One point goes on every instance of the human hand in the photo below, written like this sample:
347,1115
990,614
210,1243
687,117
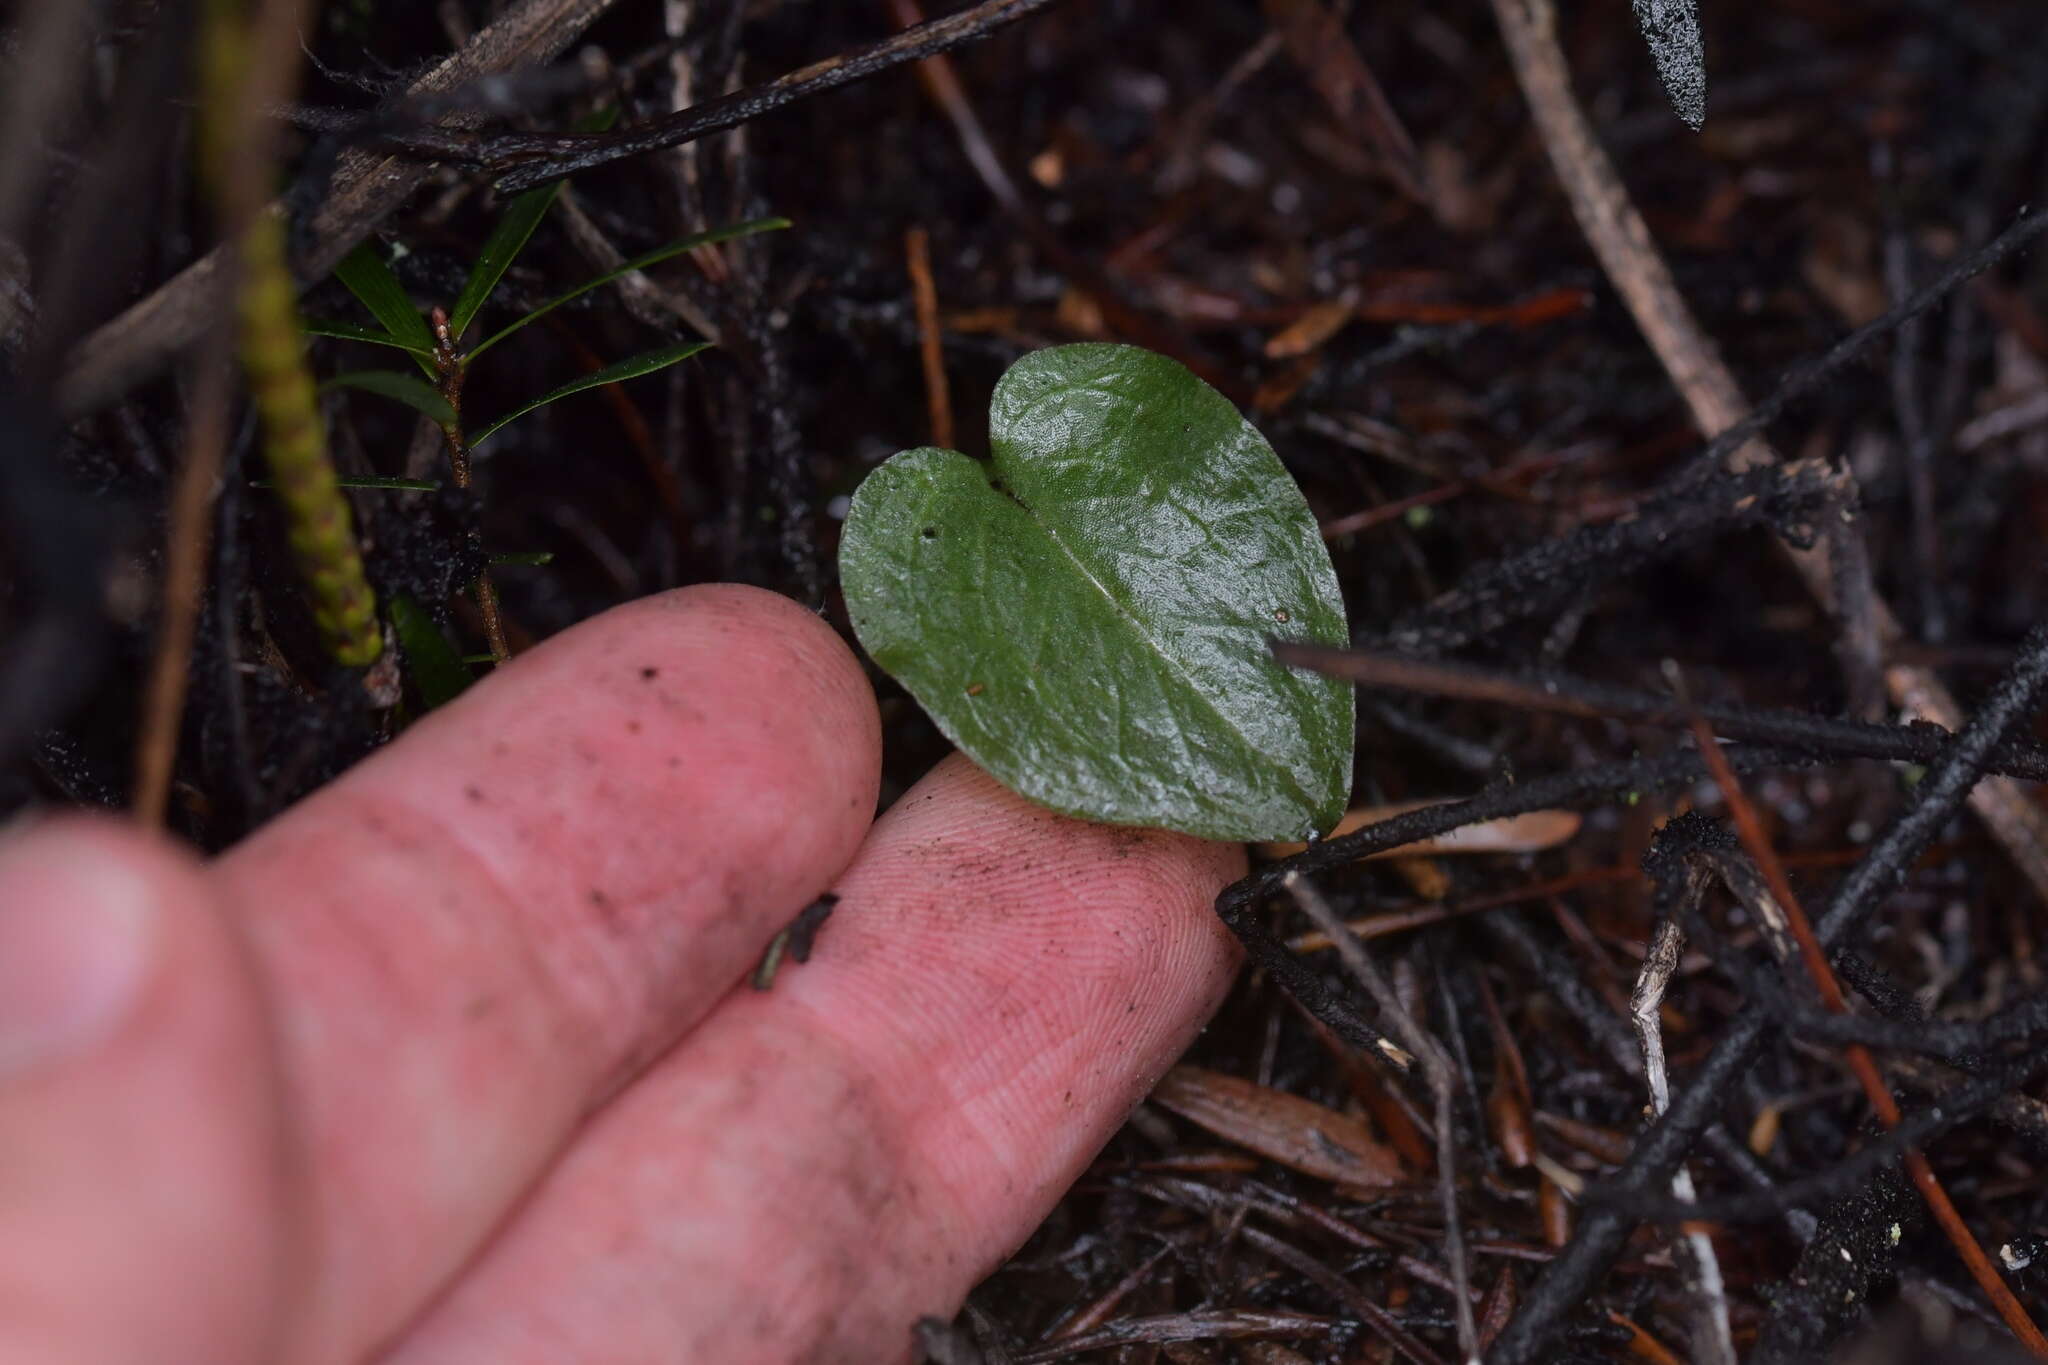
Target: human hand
447,1063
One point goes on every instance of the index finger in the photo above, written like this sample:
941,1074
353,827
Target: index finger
476,936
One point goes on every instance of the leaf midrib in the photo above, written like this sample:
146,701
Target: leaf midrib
1138,628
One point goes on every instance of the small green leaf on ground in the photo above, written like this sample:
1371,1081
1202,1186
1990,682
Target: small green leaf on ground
632,367
366,276
1086,615
408,389
438,672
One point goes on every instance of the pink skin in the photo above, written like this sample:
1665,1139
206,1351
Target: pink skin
447,1064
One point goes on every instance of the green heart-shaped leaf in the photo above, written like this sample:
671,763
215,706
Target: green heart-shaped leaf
1087,614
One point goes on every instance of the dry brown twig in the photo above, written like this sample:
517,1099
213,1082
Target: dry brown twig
191,517
1629,256
1314,36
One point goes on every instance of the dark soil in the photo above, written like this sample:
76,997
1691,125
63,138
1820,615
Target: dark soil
1185,180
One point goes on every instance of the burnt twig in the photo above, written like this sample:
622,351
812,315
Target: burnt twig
1789,921
1565,694
521,161
1791,499
1931,804
1578,789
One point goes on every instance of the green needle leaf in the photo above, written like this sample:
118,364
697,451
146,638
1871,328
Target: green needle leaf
632,367
1087,615
438,672
505,243
408,389
366,276
374,481
366,481
654,257
349,331
510,236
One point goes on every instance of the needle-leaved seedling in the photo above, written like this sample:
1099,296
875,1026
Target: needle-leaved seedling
1087,613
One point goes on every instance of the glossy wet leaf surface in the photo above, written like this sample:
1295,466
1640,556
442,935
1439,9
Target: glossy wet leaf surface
508,238
1086,614
369,278
408,389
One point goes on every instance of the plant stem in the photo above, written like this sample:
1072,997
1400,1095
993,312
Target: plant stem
450,370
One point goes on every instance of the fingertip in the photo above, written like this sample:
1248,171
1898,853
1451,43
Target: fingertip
645,687
683,769
1018,980
776,638
76,844
1060,943
97,920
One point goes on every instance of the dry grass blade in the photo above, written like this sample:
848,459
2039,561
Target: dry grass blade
163,704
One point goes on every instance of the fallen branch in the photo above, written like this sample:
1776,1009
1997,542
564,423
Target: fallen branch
1791,918
521,161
